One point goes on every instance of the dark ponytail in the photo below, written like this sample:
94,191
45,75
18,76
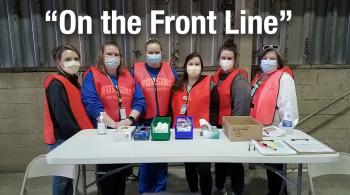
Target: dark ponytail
230,46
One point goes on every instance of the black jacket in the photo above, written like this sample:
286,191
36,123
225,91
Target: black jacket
63,120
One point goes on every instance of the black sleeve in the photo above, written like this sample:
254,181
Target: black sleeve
214,105
170,110
63,119
240,99
170,106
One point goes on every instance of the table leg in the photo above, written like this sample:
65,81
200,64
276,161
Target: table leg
83,179
300,174
284,183
76,183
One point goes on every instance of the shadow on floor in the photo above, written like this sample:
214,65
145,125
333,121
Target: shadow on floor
255,183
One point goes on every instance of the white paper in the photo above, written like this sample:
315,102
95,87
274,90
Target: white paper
309,146
272,131
281,149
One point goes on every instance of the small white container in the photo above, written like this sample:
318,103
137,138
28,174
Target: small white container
101,126
287,124
118,136
123,134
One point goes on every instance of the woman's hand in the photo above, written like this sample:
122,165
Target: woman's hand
109,121
113,125
125,122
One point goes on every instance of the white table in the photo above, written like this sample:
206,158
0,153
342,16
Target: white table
86,147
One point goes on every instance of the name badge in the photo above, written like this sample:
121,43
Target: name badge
122,113
183,109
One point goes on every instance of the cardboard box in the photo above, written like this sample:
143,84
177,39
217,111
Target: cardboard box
241,128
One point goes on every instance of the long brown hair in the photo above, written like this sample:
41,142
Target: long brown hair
100,61
180,83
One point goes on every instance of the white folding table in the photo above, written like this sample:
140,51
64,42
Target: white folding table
86,147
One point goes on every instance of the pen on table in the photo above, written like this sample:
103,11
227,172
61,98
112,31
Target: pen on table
266,131
272,144
268,146
250,144
303,139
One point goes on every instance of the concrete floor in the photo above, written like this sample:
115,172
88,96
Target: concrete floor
255,183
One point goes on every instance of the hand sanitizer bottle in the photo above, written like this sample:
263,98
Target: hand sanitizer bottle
101,126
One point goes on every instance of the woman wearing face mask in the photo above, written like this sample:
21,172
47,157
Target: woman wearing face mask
156,78
234,93
273,94
110,88
64,113
196,95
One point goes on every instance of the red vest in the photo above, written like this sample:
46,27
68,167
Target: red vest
264,101
225,92
244,73
75,103
108,94
157,93
198,101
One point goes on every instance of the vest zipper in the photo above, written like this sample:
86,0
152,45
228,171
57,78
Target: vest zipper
155,93
188,92
188,95
155,88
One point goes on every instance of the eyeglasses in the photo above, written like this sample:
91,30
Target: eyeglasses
276,47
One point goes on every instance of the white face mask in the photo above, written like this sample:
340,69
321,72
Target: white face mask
71,67
226,64
112,64
268,66
194,71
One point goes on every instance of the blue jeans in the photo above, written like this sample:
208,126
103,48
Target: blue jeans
60,185
153,177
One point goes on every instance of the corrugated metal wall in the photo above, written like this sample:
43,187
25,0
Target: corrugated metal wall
317,34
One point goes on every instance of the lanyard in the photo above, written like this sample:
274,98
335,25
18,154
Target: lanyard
118,92
257,84
185,99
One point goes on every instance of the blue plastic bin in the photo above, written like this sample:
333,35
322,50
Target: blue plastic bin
184,121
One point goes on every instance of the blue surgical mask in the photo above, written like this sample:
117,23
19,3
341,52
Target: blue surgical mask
153,59
268,66
112,64
112,61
